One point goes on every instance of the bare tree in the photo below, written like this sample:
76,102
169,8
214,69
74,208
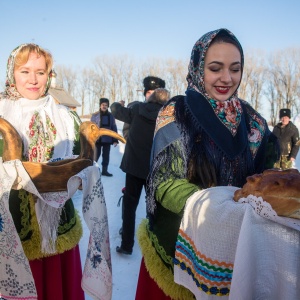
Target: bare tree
252,84
177,72
84,89
284,67
67,78
270,94
273,80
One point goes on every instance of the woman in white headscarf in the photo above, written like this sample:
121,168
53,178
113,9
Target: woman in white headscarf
47,132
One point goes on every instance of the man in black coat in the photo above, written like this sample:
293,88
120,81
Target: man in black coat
136,159
288,137
150,83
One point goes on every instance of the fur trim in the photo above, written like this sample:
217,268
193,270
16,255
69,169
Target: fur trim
152,83
64,242
157,269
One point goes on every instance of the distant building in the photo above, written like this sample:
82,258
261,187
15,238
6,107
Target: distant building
61,96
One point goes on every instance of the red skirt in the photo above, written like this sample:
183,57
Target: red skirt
147,289
58,277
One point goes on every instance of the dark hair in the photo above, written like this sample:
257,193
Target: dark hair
104,100
225,37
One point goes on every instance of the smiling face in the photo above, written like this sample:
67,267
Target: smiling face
222,70
31,77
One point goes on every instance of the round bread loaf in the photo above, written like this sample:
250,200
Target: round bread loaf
279,188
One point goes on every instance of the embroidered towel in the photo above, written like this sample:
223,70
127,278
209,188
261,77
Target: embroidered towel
227,249
97,275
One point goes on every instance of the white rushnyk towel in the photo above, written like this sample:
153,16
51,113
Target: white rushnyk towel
16,281
247,237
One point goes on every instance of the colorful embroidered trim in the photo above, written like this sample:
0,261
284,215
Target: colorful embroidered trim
210,276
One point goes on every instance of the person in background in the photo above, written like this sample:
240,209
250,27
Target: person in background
136,159
104,119
150,83
48,133
288,137
296,121
207,138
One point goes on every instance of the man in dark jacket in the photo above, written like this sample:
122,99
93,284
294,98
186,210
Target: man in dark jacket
150,84
288,137
104,119
136,159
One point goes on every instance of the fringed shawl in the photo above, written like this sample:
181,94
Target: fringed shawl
187,128
233,157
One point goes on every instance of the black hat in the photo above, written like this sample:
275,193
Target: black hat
152,83
284,112
104,100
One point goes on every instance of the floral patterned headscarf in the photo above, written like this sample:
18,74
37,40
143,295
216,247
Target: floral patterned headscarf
195,77
229,111
11,91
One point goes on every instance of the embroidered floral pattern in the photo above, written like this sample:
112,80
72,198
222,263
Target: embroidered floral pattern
165,117
195,77
256,134
96,193
41,139
97,278
14,287
16,281
229,113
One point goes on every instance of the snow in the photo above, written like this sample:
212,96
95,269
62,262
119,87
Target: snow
125,268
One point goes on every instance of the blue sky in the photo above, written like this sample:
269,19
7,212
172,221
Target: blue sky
78,31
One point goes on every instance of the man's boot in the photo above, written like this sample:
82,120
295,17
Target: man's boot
105,173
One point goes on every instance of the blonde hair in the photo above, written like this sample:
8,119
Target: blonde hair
23,55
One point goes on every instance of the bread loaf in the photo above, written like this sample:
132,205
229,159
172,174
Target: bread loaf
279,188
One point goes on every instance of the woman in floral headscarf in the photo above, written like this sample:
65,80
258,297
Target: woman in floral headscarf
209,137
47,131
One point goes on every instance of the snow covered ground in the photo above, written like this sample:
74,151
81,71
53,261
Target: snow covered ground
125,268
